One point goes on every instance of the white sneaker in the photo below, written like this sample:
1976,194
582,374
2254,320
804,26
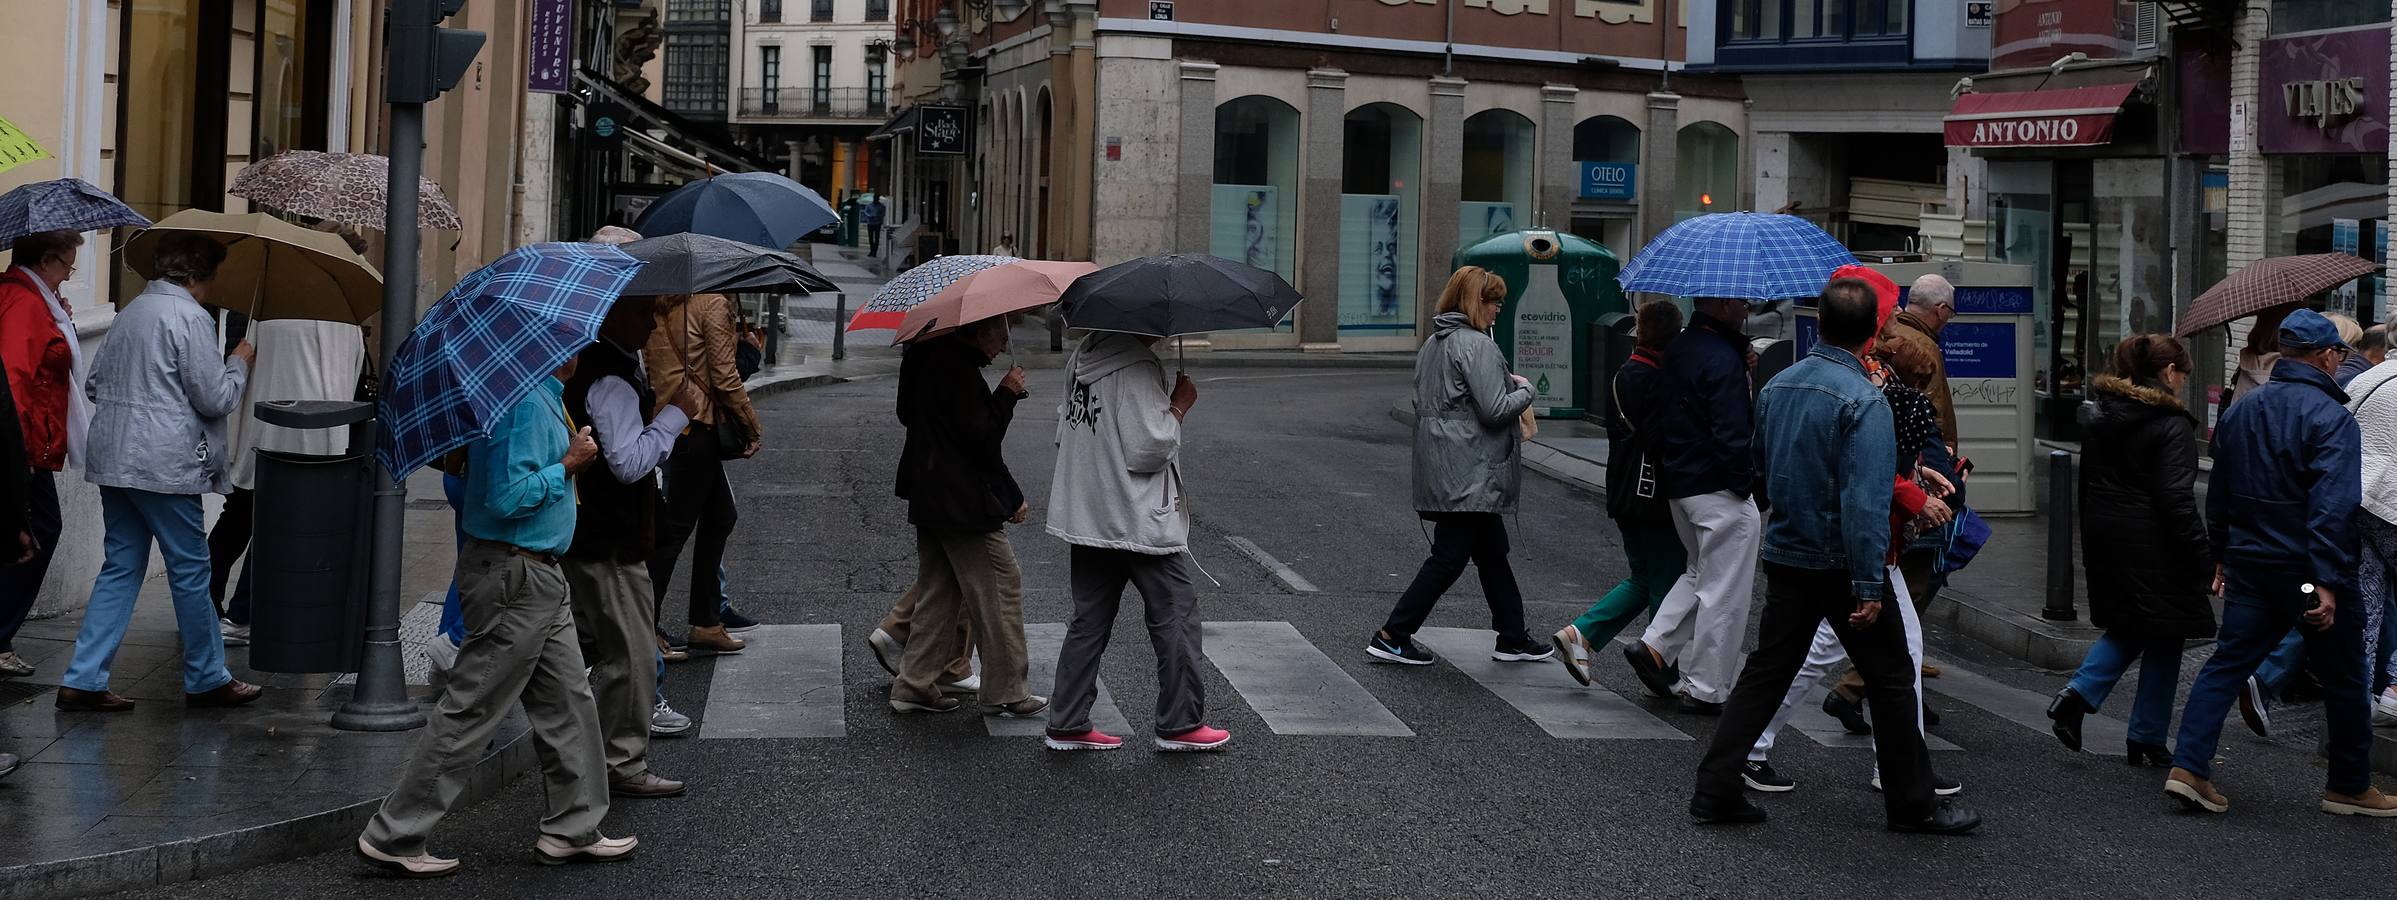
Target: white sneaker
665,722
235,635
441,653
971,684
2384,708
887,650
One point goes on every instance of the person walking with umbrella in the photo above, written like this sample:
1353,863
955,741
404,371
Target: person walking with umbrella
1468,471
44,363
695,341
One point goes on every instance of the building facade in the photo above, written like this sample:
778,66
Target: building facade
812,78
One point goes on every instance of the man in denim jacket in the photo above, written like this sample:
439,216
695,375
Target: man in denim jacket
1824,458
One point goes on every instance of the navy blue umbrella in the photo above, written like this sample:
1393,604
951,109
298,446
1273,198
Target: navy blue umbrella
62,204
759,208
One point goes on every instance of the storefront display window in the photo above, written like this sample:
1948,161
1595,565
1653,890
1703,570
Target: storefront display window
1378,245
2315,15
1253,214
1499,164
1606,155
1707,170
2334,204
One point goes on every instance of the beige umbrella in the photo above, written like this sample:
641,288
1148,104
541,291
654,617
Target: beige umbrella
273,269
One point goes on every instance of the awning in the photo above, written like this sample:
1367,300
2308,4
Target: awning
2062,117
901,123
704,141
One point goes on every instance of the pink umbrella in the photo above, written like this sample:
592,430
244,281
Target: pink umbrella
995,291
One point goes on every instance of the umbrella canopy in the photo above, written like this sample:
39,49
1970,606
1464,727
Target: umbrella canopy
349,188
889,306
1745,256
995,291
489,340
63,204
2267,283
1180,294
690,263
273,269
759,208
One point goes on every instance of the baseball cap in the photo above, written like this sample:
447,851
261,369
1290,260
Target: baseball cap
2306,331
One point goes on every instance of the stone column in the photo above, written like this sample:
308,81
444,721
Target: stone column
1663,140
1560,176
1195,176
2251,174
1443,183
1319,211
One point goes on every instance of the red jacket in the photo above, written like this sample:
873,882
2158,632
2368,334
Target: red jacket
40,368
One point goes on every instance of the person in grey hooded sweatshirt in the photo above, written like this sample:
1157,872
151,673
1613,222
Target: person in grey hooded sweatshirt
1117,499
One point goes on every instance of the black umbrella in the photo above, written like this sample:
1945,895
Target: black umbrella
690,263
1170,296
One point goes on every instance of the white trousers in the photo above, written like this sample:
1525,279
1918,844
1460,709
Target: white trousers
1827,653
1704,619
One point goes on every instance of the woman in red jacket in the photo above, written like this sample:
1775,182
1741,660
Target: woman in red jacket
42,359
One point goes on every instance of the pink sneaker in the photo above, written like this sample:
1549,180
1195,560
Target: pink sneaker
1092,739
1200,738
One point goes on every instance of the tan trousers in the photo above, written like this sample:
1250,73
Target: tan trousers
900,625
971,577
618,623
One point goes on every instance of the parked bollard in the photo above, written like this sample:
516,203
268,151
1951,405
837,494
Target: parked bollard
840,326
2059,539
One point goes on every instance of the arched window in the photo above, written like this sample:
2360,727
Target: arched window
1381,166
1501,157
1606,139
1706,170
1254,207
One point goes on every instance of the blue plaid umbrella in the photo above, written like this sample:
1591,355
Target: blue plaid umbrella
1746,256
890,305
64,204
491,339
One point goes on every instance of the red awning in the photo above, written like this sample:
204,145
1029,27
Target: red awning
2063,117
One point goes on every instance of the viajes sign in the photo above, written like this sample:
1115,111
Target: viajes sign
2333,92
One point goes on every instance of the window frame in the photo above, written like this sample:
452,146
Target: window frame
820,11
1744,21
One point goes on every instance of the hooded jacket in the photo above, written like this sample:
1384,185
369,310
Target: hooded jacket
1468,456
1703,443
2142,543
2287,484
1118,485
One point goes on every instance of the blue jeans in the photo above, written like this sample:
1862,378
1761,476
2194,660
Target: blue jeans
2250,629
2159,678
453,619
2286,657
132,519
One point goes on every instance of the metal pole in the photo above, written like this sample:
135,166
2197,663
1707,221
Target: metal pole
840,326
380,702
2059,539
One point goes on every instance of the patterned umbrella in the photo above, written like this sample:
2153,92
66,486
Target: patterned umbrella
64,204
1746,256
890,305
349,188
488,341
996,291
2266,283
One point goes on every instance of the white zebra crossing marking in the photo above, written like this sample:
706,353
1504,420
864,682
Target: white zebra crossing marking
2102,735
1811,721
1292,685
1041,643
1543,693
787,684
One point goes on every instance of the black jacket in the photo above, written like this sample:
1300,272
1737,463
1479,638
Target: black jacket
613,520
15,475
951,471
2144,546
1639,389
1703,441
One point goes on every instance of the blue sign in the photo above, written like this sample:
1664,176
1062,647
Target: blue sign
1978,349
2004,301
1609,180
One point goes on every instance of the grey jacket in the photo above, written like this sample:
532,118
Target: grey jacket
1117,485
1467,457
160,390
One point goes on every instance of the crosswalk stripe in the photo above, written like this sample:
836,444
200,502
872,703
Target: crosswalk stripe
1041,643
787,684
2102,735
1292,685
1543,693
1811,721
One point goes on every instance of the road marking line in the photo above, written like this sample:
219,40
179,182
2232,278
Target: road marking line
2101,735
1280,570
1292,685
1810,720
787,684
1042,641
1543,693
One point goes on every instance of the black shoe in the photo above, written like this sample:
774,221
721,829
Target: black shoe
1651,673
1397,650
1758,775
1941,785
2255,709
1732,810
1697,707
2153,756
2066,710
735,621
1521,649
1945,819
1849,714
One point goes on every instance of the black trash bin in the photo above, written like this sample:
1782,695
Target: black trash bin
309,546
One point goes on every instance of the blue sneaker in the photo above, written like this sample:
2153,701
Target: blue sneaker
735,621
1397,650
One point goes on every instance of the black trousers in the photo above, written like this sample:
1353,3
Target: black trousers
874,240
1457,539
21,584
1796,602
699,509
228,543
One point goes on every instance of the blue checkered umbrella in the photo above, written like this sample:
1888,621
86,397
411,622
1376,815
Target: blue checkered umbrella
890,305
1746,256
488,341
64,204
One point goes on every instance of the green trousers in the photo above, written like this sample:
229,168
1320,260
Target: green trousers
1657,560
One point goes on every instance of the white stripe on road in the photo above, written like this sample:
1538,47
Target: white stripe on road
1811,721
2101,735
1544,693
1041,644
1288,575
787,684
1292,685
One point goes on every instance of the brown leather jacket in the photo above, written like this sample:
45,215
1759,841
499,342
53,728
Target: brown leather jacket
1906,337
698,332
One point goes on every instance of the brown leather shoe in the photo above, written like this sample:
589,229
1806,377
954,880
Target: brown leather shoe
647,786
715,640
666,650
230,694
72,700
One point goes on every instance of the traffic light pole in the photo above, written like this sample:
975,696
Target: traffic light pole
380,701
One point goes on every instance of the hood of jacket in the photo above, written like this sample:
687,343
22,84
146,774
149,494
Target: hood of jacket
1108,354
1449,321
2123,404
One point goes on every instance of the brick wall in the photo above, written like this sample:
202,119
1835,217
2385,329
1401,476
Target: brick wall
2251,181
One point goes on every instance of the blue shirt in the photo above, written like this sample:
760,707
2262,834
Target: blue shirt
1825,451
516,486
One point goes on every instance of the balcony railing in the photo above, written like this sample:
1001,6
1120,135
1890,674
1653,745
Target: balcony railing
811,103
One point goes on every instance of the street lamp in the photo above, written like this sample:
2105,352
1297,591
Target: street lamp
905,45
946,21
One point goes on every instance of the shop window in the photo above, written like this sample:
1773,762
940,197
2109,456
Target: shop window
1254,208
1706,170
1606,139
2334,204
1500,159
2315,15
1382,160
1818,20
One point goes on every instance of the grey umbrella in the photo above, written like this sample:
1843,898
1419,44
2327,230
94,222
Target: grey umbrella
690,263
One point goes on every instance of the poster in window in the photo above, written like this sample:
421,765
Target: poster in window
1247,225
1477,219
1377,266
